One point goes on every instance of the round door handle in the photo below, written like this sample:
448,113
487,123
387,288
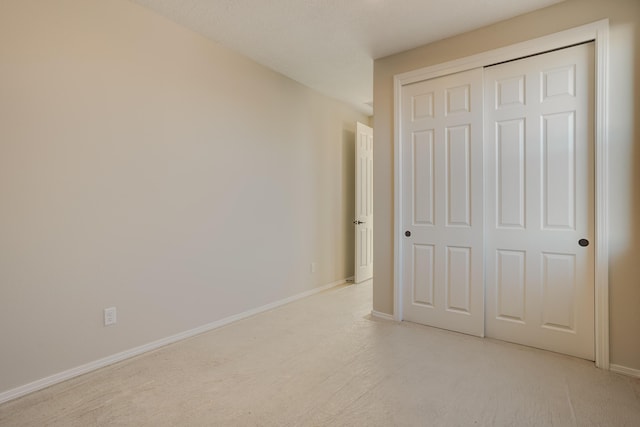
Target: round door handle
583,242
407,233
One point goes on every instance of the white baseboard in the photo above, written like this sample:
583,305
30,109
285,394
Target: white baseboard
381,315
118,357
624,370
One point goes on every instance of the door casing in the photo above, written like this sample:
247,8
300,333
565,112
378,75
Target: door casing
598,32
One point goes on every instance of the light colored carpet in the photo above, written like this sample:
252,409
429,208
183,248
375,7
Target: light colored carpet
324,361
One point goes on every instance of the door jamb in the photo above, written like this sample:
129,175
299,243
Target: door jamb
599,33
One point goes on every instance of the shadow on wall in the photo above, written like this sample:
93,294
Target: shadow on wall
624,222
348,194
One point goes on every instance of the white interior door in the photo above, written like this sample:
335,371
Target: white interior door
442,208
364,203
540,201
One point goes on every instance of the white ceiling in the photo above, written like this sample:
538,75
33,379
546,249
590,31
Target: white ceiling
330,45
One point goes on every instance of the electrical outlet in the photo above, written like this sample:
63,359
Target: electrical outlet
110,316
314,267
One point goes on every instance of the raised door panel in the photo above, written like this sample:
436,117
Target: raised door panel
559,291
458,282
558,170
510,285
422,106
510,92
457,100
422,177
458,179
510,174
423,275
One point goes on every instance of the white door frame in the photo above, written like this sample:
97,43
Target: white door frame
599,33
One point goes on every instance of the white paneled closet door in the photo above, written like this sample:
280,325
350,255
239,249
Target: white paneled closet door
442,208
540,201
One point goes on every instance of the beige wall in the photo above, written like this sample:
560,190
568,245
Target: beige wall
624,140
145,167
